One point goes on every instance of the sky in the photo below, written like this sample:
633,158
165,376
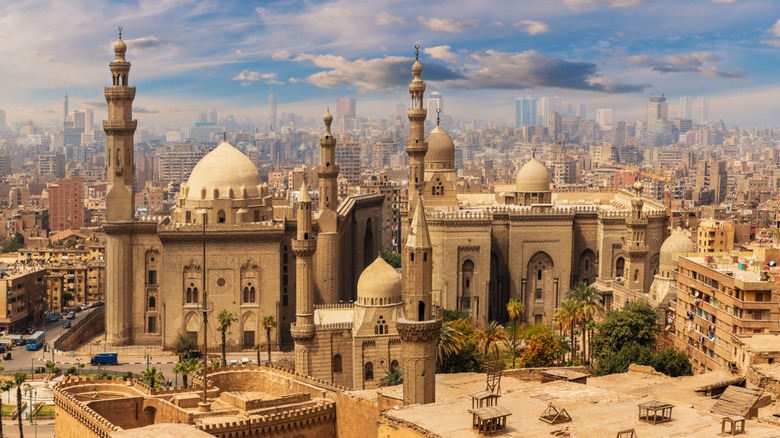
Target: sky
189,56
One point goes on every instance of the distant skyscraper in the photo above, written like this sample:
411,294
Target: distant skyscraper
583,112
659,130
542,110
555,127
65,108
272,112
212,115
657,109
346,114
556,104
202,117
685,108
435,101
2,120
525,111
604,118
703,107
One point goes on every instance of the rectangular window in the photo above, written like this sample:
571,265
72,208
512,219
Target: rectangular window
538,294
249,339
284,300
152,277
152,326
537,319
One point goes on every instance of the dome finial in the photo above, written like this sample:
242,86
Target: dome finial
328,119
533,152
438,116
224,136
120,32
417,52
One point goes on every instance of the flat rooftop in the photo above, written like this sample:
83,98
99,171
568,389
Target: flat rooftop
600,409
762,343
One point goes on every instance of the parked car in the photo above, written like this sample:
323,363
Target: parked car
66,325
19,341
98,304
190,355
71,315
40,370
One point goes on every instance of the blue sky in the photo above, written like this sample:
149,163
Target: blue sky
189,56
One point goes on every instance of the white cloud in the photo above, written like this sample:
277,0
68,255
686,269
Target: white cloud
441,52
386,19
281,55
253,76
532,27
447,24
686,62
143,43
775,29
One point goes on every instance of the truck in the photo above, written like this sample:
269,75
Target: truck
104,359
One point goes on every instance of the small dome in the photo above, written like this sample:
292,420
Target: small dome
120,48
417,68
222,168
328,118
533,177
441,148
379,280
678,242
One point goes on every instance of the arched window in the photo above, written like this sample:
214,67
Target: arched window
381,326
336,363
539,274
636,275
421,311
152,303
620,264
368,371
393,365
221,216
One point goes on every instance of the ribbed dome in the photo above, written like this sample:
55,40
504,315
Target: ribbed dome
224,168
379,281
678,242
441,148
533,177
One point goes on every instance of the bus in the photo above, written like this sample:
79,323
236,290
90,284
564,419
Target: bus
36,341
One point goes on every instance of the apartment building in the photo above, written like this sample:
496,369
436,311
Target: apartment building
22,297
720,296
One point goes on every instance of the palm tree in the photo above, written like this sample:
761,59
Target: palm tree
258,348
392,377
451,341
269,323
589,304
187,367
183,343
19,379
492,334
5,386
568,316
152,377
514,308
225,319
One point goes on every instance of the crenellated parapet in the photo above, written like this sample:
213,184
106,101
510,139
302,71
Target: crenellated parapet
335,306
282,422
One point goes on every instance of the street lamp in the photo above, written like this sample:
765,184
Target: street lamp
78,367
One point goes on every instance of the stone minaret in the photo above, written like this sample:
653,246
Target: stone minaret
120,170
304,246
328,171
634,244
419,325
416,146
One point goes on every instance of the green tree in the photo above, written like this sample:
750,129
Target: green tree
225,319
634,324
258,348
673,363
269,323
619,361
186,368
542,350
392,377
152,378
19,379
467,359
589,308
451,341
568,316
5,386
492,334
392,258
15,244
514,308
183,343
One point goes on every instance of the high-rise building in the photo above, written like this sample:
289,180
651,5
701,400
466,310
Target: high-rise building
2,120
66,204
685,107
658,129
555,128
212,116
435,102
703,110
65,108
272,112
583,111
346,114
604,118
525,111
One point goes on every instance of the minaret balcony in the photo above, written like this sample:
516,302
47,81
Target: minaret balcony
418,331
119,126
324,172
119,93
302,332
304,247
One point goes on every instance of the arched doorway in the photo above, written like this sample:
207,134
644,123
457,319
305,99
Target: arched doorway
587,271
466,284
539,286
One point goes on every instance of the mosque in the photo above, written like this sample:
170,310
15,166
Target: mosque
350,315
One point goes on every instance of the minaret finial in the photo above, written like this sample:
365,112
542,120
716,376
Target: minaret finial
533,152
224,136
438,116
120,32
416,51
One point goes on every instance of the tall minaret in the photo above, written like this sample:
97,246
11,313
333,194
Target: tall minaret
419,325
635,244
120,170
328,171
416,146
304,246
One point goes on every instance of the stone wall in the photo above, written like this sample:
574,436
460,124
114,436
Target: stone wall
535,374
355,416
82,331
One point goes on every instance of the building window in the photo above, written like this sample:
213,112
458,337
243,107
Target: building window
539,274
249,294
249,339
393,365
152,277
381,326
336,363
538,294
368,372
152,324
152,303
192,295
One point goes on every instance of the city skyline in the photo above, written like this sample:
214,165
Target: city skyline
600,53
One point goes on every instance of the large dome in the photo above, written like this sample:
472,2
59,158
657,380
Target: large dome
223,168
379,284
441,148
677,243
533,177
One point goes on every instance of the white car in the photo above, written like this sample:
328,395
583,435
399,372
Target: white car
245,361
